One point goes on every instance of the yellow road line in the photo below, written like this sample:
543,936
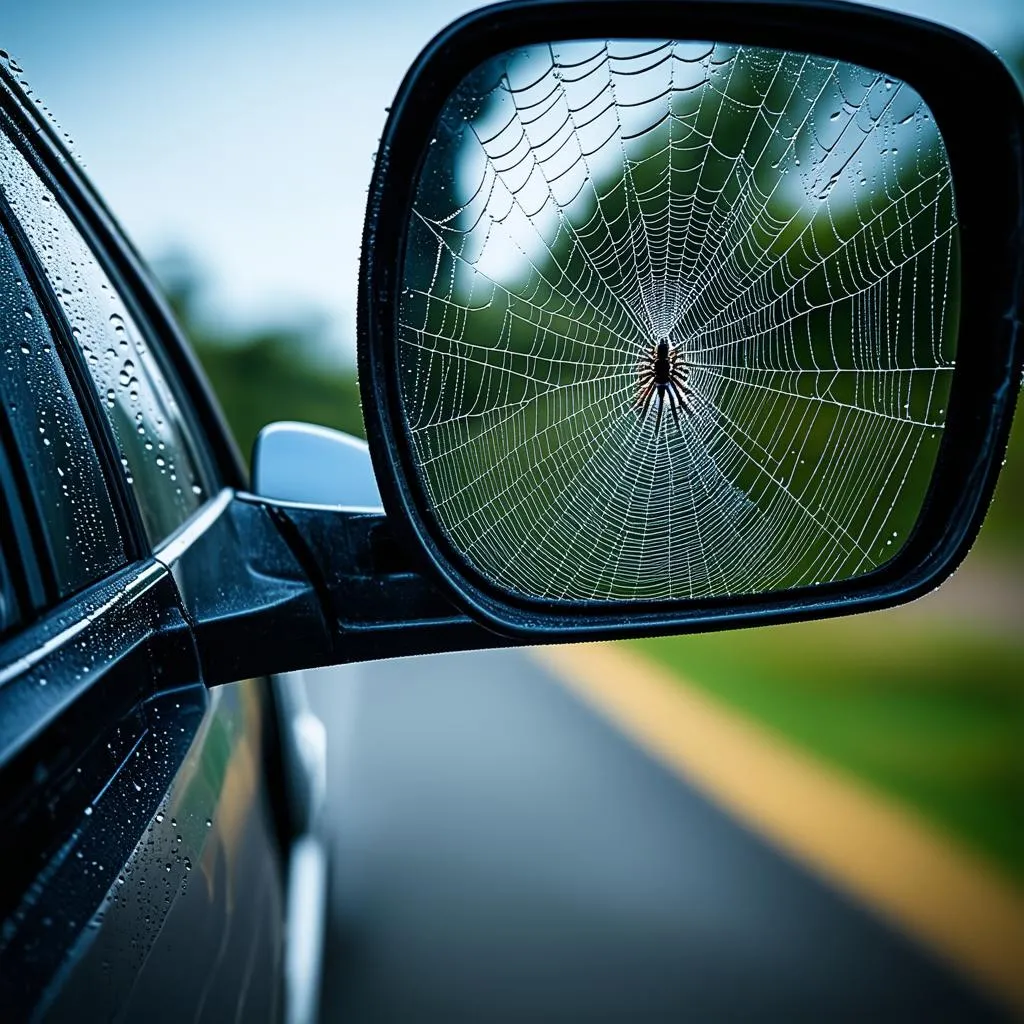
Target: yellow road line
943,895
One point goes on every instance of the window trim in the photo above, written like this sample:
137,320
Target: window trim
18,547
126,510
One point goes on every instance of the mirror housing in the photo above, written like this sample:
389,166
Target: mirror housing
328,576
314,465
988,188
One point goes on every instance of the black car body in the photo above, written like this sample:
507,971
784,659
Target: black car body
151,825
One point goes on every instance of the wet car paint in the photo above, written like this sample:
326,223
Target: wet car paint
144,819
146,853
192,928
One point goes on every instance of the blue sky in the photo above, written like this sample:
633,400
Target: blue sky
243,132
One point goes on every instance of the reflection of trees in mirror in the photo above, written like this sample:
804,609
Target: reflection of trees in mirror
263,374
785,222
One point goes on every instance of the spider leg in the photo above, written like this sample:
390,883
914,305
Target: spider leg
661,408
645,400
672,399
683,394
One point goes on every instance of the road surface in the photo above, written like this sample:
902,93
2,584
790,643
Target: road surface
502,853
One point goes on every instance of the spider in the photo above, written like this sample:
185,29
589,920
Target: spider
665,373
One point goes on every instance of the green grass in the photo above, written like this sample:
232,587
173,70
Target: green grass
930,715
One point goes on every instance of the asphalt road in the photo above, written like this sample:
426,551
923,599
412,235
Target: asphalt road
502,853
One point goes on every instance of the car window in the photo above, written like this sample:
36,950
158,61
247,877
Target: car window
10,612
52,453
158,454
8,604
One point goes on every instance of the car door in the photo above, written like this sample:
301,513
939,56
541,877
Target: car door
145,823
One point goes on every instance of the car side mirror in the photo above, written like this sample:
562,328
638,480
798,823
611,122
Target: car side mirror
673,317
691,316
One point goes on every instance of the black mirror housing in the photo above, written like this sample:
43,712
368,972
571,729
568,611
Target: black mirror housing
988,183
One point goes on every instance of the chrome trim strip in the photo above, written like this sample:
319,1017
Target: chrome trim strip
305,920
179,542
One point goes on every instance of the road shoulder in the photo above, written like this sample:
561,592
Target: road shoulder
939,893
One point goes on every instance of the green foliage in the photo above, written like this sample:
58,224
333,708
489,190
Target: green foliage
918,707
1001,536
268,374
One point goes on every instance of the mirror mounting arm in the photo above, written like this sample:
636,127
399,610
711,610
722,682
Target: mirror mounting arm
373,603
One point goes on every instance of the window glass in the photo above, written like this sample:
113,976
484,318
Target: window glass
64,484
157,454
8,605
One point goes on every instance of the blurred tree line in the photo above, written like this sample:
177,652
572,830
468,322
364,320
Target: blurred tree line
273,372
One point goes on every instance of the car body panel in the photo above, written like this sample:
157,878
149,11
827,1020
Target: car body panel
192,928
145,828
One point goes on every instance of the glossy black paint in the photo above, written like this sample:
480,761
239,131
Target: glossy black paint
144,826
124,783
989,184
192,927
378,603
72,696
252,609
305,586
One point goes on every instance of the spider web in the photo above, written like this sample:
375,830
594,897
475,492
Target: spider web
785,222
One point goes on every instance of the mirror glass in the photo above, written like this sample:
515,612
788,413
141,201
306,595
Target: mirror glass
678,319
